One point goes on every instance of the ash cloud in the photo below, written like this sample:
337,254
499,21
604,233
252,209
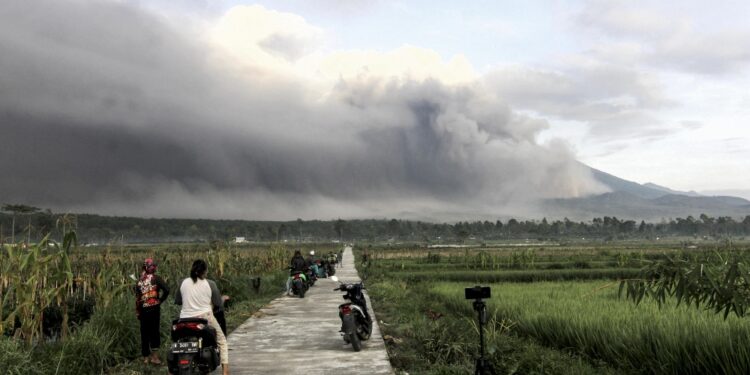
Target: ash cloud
107,108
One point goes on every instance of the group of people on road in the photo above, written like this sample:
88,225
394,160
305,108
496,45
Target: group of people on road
198,296
309,265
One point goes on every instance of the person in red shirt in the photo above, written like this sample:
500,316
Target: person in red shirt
150,292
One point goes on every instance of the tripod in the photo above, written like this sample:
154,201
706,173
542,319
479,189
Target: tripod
483,366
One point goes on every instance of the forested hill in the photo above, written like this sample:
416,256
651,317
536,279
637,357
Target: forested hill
108,229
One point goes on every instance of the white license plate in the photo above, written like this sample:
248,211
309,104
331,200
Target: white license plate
184,347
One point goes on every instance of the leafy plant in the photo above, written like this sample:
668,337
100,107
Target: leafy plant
721,284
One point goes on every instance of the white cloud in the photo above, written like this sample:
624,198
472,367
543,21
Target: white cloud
669,37
268,39
616,102
287,45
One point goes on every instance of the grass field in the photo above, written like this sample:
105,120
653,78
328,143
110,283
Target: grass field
563,319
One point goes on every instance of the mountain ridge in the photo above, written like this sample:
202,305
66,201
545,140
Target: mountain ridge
644,202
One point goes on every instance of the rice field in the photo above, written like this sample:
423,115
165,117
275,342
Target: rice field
589,317
571,309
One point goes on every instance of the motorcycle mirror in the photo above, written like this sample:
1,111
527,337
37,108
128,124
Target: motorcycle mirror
335,278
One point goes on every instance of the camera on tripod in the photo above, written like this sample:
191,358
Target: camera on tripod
478,292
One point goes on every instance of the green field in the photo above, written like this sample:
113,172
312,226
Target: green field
561,319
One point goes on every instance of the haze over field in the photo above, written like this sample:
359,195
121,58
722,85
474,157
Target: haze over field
227,110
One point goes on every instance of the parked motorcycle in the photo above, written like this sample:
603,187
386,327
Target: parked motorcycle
194,349
299,283
356,323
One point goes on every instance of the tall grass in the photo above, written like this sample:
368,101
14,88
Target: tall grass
589,317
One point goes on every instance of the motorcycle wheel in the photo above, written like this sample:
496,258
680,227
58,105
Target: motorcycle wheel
364,336
302,293
356,344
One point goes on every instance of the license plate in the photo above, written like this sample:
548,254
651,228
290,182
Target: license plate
184,347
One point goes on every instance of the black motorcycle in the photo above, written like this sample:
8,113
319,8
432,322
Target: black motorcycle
311,277
299,283
194,349
356,324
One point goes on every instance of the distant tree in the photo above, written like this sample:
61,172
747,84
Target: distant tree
498,226
45,222
281,232
19,209
513,226
338,226
393,227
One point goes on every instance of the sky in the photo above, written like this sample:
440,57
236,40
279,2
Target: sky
333,108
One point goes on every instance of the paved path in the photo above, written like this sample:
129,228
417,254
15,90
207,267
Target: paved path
293,335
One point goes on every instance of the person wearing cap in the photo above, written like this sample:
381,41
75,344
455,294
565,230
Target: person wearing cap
150,292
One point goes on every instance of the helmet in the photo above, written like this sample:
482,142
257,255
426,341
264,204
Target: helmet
312,252
149,266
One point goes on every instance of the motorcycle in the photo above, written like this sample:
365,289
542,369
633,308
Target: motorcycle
194,349
299,283
330,268
356,323
321,271
311,275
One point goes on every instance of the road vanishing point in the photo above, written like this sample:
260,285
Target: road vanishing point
293,335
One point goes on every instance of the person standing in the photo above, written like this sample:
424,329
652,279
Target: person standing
150,292
198,298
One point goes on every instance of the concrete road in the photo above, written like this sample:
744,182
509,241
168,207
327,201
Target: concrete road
293,335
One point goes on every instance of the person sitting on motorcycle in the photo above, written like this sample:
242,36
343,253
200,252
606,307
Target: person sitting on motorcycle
312,265
198,297
311,258
150,292
297,264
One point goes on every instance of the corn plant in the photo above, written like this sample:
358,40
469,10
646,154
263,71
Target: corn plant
34,279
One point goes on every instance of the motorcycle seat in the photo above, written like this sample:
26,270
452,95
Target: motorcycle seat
186,328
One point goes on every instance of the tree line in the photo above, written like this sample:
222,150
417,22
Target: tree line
26,223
